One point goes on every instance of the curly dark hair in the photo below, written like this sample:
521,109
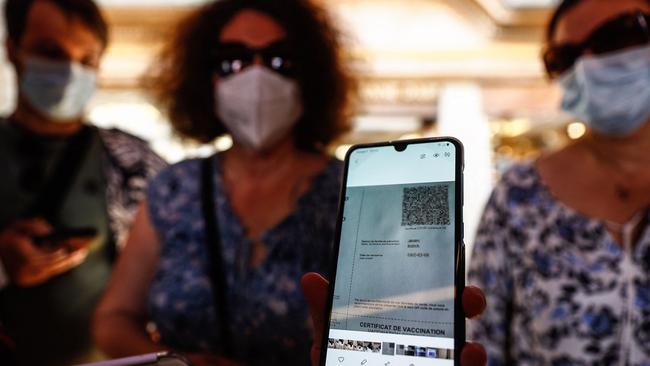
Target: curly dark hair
182,78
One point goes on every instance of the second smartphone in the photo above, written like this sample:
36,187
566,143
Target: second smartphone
399,257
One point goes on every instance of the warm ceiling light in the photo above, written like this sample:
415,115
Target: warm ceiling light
576,130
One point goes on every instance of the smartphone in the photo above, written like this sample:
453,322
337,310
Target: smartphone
399,266
150,359
61,234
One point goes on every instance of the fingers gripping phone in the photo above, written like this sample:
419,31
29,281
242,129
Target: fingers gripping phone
399,258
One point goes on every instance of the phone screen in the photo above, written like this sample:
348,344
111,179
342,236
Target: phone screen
400,257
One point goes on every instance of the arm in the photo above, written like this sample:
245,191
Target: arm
489,270
119,322
118,325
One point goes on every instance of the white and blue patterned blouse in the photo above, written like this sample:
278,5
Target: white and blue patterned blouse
560,290
270,322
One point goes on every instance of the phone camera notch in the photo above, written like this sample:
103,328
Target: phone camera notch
400,146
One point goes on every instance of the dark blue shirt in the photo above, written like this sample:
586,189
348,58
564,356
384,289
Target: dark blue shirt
269,316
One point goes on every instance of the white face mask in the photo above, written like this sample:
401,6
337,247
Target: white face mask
58,90
258,106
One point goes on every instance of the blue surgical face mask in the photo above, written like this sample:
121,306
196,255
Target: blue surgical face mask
58,90
611,93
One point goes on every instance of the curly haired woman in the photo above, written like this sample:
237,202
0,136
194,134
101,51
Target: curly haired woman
216,253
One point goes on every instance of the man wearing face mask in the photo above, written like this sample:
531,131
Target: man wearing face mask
69,190
563,248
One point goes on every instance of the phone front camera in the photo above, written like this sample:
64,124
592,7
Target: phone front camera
399,146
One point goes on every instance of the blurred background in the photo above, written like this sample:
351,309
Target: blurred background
466,68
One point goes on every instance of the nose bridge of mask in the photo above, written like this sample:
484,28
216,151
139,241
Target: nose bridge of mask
259,90
271,87
269,84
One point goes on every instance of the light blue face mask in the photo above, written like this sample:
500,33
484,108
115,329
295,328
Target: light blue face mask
58,90
611,93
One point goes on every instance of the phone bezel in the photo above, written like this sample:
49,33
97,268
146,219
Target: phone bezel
459,246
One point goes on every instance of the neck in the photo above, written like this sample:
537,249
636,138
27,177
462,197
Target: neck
31,120
626,154
242,161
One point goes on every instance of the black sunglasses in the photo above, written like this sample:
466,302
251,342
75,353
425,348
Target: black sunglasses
627,30
233,57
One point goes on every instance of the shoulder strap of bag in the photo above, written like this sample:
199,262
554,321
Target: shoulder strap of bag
66,169
213,242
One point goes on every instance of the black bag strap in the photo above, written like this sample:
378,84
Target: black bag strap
213,242
51,198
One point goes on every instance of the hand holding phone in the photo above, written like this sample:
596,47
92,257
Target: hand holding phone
29,264
399,257
316,288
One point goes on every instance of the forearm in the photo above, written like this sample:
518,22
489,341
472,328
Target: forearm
119,321
120,335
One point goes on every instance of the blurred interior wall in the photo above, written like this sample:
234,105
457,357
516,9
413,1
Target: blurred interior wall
460,114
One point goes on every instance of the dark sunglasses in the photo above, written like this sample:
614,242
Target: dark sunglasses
627,30
233,57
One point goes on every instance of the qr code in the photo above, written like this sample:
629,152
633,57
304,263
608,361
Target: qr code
425,205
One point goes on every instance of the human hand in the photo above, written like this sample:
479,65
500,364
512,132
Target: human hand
315,288
28,264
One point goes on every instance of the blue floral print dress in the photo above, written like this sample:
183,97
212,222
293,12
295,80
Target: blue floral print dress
269,322
560,291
